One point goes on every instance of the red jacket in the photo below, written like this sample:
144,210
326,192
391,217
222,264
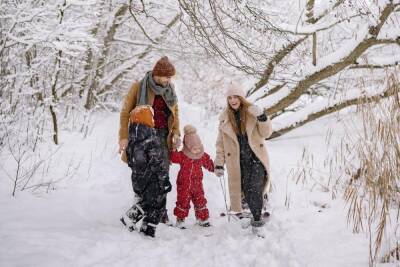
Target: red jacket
190,172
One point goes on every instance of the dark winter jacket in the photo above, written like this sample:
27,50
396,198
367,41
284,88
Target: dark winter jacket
145,158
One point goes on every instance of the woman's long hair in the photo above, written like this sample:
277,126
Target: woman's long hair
244,104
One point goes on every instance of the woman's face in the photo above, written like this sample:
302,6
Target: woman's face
234,102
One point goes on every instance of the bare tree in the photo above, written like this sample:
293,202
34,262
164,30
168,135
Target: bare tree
277,44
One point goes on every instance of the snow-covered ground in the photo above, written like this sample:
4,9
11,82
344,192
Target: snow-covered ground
78,223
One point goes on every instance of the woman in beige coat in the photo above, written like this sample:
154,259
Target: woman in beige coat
240,146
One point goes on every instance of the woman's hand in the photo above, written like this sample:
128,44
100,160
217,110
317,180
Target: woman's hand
219,171
255,110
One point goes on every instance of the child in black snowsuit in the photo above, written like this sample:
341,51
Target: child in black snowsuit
150,179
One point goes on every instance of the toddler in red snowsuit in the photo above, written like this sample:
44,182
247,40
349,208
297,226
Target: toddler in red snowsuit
189,182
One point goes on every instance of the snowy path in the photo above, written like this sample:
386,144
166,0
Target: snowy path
77,224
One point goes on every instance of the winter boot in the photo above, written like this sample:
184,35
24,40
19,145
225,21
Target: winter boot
128,223
203,223
135,213
180,223
148,229
131,217
257,228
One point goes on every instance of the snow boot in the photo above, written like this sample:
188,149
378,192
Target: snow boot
203,223
148,229
128,223
180,223
257,228
135,213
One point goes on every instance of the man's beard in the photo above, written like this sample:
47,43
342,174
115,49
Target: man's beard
162,84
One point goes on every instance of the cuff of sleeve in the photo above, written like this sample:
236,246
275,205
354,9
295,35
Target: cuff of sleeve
262,117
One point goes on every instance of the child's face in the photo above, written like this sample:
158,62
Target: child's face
196,150
234,101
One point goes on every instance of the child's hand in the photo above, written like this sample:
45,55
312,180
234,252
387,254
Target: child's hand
176,141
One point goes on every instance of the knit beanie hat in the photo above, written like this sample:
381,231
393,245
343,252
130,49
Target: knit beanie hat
235,88
192,146
164,68
143,114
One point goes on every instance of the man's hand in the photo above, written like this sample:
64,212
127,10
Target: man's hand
166,186
122,145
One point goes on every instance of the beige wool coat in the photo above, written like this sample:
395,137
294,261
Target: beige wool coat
228,153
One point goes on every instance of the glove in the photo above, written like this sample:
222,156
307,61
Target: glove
122,145
166,186
219,171
255,110
176,141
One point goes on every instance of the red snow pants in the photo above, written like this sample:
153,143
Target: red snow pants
190,186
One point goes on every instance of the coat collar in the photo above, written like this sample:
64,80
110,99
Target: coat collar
227,128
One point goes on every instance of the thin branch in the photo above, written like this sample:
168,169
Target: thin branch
142,55
138,23
275,60
327,11
372,66
273,90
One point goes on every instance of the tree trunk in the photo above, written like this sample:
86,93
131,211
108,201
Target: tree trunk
103,57
314,49
55,99
55,127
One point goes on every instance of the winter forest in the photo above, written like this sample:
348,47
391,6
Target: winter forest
325,73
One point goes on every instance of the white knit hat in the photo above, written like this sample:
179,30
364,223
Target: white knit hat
235,88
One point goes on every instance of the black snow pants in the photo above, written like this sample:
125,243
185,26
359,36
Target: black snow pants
153,200
162,135
253,173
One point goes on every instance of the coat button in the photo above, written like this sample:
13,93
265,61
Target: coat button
261,145
229,154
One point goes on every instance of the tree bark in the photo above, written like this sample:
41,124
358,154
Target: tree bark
336,67
336,107
99,66
276,59
55,126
